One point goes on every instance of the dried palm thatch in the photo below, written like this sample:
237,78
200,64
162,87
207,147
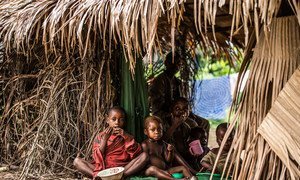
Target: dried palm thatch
275,59
52,111
141,27
281,126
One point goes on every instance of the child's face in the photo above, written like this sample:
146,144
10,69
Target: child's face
154,130
180,109
116,119
220,137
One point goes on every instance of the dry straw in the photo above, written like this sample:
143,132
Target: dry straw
281,126
276,57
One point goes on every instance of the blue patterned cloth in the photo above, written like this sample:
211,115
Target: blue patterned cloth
212,97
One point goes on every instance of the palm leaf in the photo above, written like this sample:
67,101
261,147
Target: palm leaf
275,59
280,128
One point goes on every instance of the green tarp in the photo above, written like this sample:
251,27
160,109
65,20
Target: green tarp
200,176
134,98
141,178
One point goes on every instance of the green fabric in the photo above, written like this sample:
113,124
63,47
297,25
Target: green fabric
206,176
134,98
200,176
140,177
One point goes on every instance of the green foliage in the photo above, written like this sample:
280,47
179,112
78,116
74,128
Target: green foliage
215,122
153,70
210,65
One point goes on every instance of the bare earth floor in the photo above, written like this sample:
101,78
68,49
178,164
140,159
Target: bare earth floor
13,175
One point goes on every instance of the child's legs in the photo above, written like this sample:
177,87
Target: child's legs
159,173
84,167
136,165
180,169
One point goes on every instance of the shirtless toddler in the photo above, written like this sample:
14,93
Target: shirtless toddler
160,153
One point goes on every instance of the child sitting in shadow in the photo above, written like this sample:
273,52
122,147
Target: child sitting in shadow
177,128
209,159
160,153
197,146
114,147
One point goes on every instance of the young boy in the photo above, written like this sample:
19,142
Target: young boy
113,147
161,154
208,160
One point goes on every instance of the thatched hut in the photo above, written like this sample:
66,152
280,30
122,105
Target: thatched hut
61,71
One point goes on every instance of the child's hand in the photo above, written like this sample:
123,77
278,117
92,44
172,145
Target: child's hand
176,120
179,119
118,131
107,132
170,147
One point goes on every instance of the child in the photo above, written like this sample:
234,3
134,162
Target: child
208,160
200,135
178,129
161,154
113,147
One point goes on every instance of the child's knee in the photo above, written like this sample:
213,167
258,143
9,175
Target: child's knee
151,170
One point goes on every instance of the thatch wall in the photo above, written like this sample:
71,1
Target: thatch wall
52,111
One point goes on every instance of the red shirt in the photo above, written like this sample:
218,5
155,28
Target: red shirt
119,151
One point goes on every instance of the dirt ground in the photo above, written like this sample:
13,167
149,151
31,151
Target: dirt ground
13,175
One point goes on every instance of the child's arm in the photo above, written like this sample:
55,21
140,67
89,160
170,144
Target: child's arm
208,160
207,166
145,147
169,154
106,134
177,121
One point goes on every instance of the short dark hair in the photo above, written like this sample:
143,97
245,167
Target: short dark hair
151,119
195,131
222,126
117,108
179,99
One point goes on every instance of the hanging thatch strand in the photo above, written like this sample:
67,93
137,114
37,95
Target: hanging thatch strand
275,59
244,13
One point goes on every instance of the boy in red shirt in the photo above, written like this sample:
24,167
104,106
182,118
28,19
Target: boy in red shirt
114,147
